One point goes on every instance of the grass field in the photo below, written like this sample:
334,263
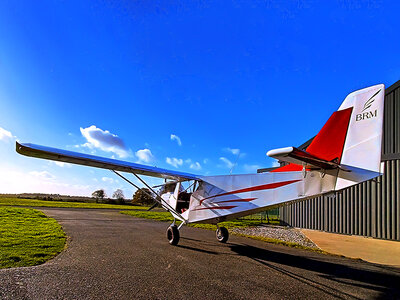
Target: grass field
44,203
28,237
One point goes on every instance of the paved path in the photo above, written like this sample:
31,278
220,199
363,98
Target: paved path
368,249
114,256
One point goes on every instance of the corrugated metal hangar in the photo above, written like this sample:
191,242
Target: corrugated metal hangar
371,208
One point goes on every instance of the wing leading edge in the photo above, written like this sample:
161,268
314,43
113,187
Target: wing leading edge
99,162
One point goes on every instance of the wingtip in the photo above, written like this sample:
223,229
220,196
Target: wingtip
18,147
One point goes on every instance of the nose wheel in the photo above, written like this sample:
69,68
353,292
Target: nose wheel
222,234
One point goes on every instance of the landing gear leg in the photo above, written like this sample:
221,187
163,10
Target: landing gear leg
173,234
222,234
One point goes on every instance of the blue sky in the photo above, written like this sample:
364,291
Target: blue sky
179,85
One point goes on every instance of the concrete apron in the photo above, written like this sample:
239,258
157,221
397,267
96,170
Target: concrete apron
368,249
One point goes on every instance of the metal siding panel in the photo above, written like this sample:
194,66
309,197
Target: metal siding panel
294,215
328,213
343,212
348,215
391,125
312,214
393,200
322,213
388,204
360,209
317,210
339,215
300,216
365,202
352,208
373,208
333,214
397,119
397,182
301,207
325,214
383,214
379,207
334,209
368,207
330,208
318,213
385,122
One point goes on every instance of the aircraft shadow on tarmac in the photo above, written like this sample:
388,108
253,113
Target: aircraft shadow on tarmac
384,282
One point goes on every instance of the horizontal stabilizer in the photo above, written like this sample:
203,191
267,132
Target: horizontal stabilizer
99,162
299,157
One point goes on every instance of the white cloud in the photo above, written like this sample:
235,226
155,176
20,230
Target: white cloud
107,179
205,161
5,135
251,168
175,162
144,155
233,150
43,175
176,138
61,164
104,140
227,162
195,166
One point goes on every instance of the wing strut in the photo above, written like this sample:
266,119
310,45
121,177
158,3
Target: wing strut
160,200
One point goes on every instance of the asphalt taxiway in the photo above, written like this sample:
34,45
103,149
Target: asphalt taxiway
115,256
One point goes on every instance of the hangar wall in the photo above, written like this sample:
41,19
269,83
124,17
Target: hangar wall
370,208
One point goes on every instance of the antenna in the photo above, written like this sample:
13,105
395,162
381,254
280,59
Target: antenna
234,165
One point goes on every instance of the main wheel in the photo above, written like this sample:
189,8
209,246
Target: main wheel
173,235
222,234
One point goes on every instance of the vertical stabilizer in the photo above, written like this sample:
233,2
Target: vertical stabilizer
363,144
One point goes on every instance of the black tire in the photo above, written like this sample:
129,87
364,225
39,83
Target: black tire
173,235
222,234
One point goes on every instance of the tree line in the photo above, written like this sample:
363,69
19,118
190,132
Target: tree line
141,196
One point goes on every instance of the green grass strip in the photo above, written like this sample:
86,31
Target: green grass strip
28,237
44,203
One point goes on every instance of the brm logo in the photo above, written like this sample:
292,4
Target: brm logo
369,114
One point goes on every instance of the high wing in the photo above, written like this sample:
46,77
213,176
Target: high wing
300,157
99,162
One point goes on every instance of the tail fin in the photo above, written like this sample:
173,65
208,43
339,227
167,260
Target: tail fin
352,136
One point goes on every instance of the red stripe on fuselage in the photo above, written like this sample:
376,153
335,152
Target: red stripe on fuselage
237,200
217,207
267,186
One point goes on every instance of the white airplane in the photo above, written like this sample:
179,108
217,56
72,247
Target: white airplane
345,152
